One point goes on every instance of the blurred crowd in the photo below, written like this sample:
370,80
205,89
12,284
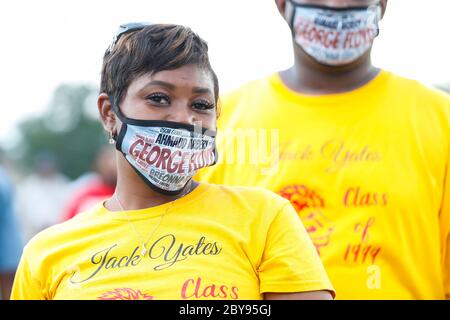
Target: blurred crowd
32,203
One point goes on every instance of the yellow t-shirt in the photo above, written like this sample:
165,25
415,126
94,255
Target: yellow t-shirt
365,170
215,243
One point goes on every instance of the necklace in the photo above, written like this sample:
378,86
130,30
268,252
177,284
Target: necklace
141,239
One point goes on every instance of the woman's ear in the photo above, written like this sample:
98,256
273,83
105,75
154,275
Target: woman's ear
107,115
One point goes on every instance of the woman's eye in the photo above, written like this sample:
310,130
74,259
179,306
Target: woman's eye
203,105
159,98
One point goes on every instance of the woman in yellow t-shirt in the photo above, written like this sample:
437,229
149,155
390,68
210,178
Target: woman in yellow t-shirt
162,235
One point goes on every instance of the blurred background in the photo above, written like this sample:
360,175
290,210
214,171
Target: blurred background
50,65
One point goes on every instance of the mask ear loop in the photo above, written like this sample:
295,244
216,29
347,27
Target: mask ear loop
293,10
116,109
113,138
374,17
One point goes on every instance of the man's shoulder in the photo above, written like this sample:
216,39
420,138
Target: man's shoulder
247,99
418,88
249,88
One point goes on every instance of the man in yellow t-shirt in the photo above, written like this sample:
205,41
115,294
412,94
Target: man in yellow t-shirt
362,154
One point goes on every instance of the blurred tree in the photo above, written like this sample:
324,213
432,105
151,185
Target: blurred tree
444,87
69,128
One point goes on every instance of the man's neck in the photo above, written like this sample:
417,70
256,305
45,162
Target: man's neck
308,77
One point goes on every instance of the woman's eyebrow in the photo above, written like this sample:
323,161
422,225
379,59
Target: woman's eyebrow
159,83
170,86
201,90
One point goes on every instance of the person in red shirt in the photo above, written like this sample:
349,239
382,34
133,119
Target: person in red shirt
100,186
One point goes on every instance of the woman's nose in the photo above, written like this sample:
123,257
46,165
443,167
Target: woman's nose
181,114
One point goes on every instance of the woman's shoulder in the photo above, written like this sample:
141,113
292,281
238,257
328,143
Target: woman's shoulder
253,198
58,234
257,192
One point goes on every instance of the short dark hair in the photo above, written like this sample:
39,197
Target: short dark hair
155,48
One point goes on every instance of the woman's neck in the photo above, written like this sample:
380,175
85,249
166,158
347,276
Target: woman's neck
135,194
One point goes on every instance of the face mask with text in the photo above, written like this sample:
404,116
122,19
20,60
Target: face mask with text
334,36
166,154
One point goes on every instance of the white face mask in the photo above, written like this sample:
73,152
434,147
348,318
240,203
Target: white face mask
165,154
334,36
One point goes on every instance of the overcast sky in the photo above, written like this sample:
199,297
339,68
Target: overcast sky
48,42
